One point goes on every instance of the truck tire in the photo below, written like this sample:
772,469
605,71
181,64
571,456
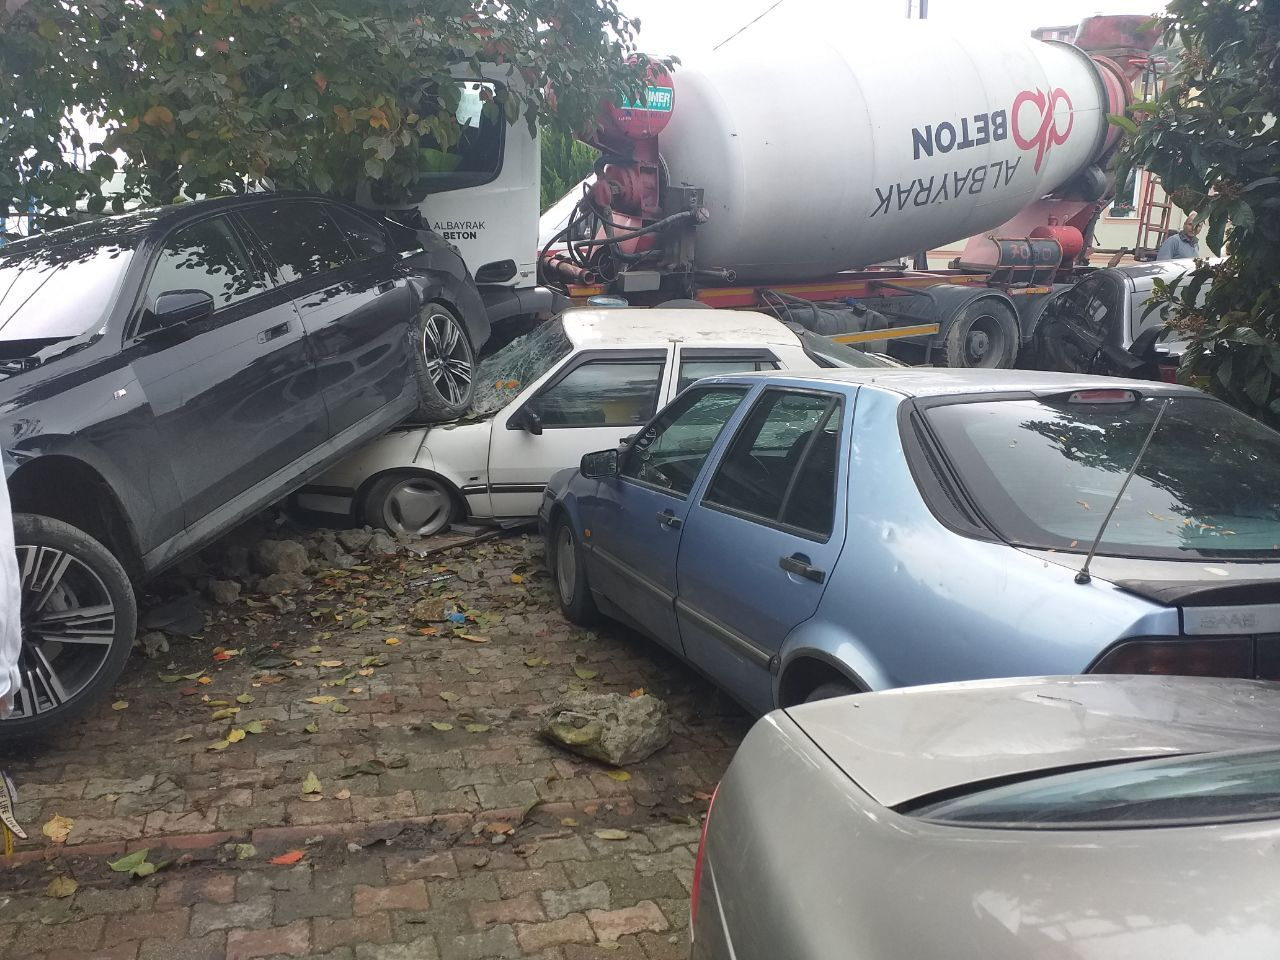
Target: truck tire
79,617
982,335
444,364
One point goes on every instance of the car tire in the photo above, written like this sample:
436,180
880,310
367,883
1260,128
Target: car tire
64,570
413,504
569,573
830,690
444,364
983,335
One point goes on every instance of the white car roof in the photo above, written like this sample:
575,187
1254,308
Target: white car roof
642,326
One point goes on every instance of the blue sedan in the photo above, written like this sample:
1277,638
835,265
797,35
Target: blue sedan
797,537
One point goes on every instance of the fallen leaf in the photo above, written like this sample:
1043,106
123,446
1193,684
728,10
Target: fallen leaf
620,775
120,705
183,738
219,745
583,674
340,708
613,835
343,794
516,578
537,662
331,663
449,697
684,819
637,692
287,859
255,727
224,714
325,698
311,784
135,864
58,828
204,680
699,795
568,822
1083,503
473,638
474,671
311,728
374,661
477,728
441,725
366,672
214,703
499,828
235,735
246,851
60,887
315,649
391,641
244,698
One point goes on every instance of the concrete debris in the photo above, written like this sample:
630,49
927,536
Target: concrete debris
608,726
281,556
223,591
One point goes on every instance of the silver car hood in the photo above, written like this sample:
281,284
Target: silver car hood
899,745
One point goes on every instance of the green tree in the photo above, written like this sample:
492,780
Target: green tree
206,96
565,161
1211,138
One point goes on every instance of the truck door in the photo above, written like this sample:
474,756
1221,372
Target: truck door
759,546
484,199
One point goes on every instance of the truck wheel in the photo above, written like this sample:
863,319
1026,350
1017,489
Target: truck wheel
444,364
79,616
410,503
984,334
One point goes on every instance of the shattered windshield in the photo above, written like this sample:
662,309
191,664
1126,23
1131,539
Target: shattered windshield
501,376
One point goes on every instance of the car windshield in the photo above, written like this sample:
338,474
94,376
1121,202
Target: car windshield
1168,791
504,374
60,285
1044,472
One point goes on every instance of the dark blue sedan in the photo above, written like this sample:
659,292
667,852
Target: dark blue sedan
799,536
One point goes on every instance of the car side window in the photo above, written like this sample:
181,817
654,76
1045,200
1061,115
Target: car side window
694,370
207,256
367,238
602,393
299,237
781,466
669,454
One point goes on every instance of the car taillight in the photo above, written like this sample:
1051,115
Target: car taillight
697,866
1169,373
1227,657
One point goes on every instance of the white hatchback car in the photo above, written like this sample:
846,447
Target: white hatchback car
580,382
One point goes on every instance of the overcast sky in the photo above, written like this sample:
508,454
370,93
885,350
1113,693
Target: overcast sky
689,27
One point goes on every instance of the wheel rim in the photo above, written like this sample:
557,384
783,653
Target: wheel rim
448,356
566,565
985,342
417,507
68,628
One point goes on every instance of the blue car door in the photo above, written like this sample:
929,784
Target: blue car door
766,532
633,522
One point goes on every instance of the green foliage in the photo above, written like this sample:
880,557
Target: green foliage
565,161
206,96
1211,138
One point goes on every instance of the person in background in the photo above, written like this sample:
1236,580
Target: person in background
1183,244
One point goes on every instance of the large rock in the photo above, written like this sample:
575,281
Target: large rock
608,726
281,556
354,541
333,556
223,591
380,544
281,582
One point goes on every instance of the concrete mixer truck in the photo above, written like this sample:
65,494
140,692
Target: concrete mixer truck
778,172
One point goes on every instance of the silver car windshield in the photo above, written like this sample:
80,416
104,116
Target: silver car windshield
501,376
1044,472
1179,791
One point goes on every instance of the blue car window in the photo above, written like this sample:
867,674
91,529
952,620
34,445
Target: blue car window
781,467
670,452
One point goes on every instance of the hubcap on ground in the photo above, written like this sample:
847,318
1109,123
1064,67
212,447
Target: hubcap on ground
68,625
418,507
448,357
566,565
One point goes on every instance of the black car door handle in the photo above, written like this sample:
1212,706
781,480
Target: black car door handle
279,330
668,519
799,565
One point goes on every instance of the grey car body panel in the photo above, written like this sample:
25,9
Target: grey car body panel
801,863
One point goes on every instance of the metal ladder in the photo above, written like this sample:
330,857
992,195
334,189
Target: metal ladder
1153,219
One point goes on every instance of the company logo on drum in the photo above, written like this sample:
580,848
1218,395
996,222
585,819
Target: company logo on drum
1037,124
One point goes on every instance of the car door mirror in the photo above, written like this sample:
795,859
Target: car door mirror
599,465
527,421
174,307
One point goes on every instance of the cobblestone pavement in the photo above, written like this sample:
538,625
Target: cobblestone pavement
441,826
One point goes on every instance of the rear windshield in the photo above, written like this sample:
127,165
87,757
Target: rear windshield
1044,473
1177,791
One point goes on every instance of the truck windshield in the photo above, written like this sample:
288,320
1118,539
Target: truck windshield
1043,472
59,286
1167,791
503,375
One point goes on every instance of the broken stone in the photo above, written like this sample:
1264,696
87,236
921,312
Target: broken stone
353,541
153,644
281,556
332,554
280,582
380,544
428,610
608,726
223,591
